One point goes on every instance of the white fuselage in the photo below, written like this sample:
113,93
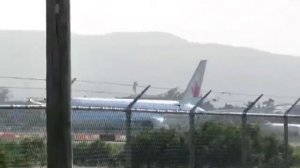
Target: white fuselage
123,103
85,119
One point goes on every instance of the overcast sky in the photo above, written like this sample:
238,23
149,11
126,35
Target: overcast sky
271,25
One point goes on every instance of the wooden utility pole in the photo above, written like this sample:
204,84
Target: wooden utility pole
59,144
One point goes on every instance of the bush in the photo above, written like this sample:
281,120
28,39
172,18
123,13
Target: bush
11,151
217,145
2,159
95,154
160,148
33,152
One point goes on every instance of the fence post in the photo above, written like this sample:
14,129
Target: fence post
286,134
192,131
128,128
244,143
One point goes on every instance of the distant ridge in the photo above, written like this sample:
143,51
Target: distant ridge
156,58
138,38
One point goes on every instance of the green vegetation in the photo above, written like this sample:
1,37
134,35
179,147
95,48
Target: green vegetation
159,148
29,152
217,145
2,159
96,153
11,154
33,152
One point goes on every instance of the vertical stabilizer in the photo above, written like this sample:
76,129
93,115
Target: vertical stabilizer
193,91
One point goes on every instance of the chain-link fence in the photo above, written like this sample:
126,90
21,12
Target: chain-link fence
118,137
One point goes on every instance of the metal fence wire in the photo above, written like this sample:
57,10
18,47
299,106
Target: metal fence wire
138,138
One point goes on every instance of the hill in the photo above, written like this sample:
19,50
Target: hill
156,58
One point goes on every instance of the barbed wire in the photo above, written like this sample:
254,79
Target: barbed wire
75,90
22,78
252,95
120,84
99,91
229,93
22,88
86,81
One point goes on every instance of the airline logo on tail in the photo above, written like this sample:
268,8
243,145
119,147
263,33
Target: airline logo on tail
196,89
193,90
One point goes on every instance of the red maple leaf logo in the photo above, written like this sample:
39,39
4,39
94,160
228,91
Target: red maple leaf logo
196,90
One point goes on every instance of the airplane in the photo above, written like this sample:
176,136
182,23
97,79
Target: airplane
90,121
277,127
191,95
